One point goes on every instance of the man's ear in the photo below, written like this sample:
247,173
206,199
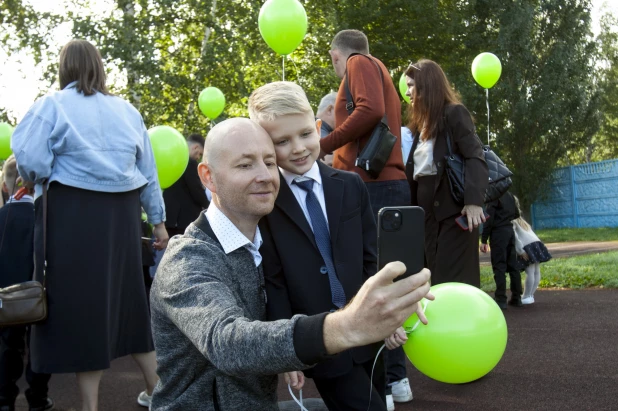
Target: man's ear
206,177
318,125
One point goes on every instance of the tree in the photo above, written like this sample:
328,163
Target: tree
542,104
545,106
24,29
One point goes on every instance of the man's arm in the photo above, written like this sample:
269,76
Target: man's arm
366,87
192,294
195,185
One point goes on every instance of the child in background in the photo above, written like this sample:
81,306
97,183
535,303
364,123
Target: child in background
532,252
17,266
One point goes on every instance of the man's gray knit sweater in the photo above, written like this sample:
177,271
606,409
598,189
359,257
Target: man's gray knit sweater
214,350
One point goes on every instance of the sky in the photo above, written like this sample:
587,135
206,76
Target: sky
19,78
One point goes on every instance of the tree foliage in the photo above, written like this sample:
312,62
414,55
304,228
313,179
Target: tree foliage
552,104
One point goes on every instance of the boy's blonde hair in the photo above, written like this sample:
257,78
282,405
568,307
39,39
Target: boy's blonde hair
277,99
520,220
9,173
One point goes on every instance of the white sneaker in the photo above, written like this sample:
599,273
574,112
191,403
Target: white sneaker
390,404
144,399
402,391
527,300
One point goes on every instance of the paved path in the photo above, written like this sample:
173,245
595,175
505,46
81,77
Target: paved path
560,250
561,355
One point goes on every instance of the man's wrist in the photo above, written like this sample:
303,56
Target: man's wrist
338,336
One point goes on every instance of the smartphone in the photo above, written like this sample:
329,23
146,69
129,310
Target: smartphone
462,220
401,237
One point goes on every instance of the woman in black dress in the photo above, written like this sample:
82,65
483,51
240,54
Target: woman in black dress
436,114
92,151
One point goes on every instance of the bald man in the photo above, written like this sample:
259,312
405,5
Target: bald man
214,348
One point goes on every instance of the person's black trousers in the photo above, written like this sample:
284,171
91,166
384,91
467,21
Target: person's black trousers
351,391
503,260
12,351
394,193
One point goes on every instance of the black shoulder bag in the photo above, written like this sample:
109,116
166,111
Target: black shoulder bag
376,152
499,174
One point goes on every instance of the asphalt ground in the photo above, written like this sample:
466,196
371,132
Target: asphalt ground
562,354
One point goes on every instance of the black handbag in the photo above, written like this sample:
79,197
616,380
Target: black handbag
374,155
499,174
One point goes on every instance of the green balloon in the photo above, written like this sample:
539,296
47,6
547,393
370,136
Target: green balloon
171,154
283,25
465,336
403,88
486,69
6,131
212,102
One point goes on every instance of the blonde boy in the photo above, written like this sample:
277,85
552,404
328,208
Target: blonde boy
319,242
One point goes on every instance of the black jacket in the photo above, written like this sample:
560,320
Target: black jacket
501,213
185,199
17,239
467,144
292,261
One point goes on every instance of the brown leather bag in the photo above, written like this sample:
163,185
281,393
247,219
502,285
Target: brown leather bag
26,303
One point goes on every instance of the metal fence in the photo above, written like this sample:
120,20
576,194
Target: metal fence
580,196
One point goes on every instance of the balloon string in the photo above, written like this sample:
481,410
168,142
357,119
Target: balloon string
372,370
296,400
283,66
487,101
418,322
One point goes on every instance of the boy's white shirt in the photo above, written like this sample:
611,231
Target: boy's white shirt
301,195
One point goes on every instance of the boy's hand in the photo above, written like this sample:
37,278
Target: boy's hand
161,236
398,339
295,379
484,248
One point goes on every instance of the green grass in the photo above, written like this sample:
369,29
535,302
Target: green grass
592,270
561,235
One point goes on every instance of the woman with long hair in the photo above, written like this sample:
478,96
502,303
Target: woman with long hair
435,115
92,152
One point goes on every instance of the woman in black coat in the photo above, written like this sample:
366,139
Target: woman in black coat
436,113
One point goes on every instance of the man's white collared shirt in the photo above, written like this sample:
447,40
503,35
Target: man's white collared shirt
230,236
301,195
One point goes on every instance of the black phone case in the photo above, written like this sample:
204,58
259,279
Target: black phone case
407,244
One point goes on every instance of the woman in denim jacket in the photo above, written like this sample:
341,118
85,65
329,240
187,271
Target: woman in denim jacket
92,151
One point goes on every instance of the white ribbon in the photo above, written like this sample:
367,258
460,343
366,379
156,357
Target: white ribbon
299,402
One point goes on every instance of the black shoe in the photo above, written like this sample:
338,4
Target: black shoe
49,405
501,303
515,302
